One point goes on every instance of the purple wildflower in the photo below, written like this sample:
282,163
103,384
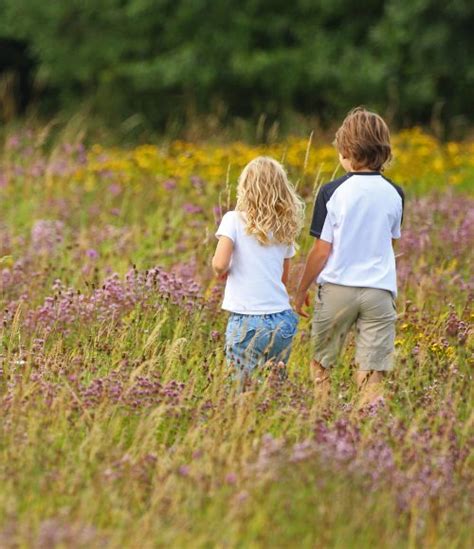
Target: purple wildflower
47,235
192,208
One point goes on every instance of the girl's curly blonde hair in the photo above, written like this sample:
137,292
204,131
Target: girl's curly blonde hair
273,211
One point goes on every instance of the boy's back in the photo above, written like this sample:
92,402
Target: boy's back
355,219
359,214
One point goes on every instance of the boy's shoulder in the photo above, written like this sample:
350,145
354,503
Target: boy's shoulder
328,188
395,186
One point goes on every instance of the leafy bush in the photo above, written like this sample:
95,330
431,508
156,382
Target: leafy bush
170,60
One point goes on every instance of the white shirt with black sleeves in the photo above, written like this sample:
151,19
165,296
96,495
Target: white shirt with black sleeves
359,214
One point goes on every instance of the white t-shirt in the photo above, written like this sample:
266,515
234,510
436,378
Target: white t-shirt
254,285
359,214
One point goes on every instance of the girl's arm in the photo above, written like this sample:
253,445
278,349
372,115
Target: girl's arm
286,271
222,256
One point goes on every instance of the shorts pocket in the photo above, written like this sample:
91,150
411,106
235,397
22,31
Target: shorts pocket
246,337
239,330
320,291
289,325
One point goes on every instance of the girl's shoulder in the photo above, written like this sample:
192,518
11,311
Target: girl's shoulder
230,225
232,213
234,216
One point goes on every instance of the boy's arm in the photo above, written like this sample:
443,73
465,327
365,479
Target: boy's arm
222,256
315,262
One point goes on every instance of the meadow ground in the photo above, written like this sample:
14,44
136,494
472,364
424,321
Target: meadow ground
119,424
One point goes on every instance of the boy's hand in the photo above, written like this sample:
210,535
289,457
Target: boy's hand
301,299
223,277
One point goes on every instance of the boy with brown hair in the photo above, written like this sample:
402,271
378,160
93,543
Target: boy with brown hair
355,220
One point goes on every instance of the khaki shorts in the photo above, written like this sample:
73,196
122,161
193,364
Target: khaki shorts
373,313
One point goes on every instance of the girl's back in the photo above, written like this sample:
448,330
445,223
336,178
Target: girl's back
254,283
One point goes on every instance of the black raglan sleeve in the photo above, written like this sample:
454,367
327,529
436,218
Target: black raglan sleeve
319,214
400,193
402,196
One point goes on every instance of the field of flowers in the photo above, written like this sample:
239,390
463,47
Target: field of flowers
119,425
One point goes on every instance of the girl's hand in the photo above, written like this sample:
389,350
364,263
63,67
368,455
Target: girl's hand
301,299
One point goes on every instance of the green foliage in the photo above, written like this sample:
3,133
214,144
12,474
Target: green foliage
170,60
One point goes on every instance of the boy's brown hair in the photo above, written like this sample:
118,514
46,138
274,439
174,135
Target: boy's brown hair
364,139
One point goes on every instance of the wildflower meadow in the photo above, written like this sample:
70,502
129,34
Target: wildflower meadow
119,422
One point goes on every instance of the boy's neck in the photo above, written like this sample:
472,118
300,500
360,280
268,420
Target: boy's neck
364,170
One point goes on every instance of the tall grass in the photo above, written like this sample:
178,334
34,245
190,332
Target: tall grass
120,424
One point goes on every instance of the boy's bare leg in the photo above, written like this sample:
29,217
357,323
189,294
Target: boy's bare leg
322,382
369,384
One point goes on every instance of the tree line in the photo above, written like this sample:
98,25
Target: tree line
410,59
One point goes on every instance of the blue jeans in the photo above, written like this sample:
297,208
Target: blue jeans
253,340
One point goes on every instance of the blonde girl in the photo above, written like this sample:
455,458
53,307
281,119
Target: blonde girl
256,242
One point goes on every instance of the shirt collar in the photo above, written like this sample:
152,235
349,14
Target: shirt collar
363,173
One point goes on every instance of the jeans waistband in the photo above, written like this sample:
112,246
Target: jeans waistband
263,315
